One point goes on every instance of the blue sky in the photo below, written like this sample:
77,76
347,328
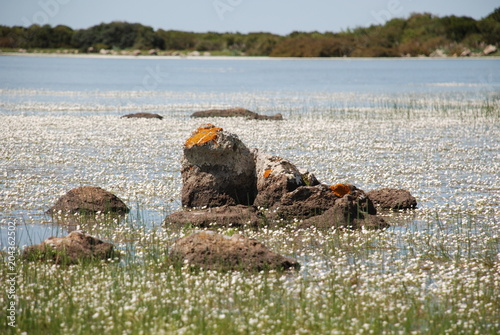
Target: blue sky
276,16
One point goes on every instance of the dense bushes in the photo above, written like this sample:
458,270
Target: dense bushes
420,34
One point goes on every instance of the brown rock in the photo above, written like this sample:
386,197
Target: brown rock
228,112
236,112
391,198
309,201
346,213
217,170
89,200
223,216
143,116
277,117
276,177
71,249
212,251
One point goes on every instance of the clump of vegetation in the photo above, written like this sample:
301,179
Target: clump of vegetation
420,34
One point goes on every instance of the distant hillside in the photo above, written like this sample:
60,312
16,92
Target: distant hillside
420,34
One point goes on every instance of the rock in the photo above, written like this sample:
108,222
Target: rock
391,198
490,49
309,201
339,217
143,116
277,117
466,53
223,216
276,177
89,200
438,53
235,112
229,112
71,249
153,52
217,170
212,251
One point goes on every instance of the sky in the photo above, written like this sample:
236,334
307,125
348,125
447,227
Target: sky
275,16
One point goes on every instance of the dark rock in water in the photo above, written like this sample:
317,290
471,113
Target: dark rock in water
235,112
309,201
277,117
304,202
223,216
228,112
71,249
341,217
217,170
212,251
391,198
143,116
351,212
89,200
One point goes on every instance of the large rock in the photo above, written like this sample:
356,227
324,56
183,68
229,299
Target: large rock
490,49
89,200
276,177
235,112
223,216
391,198
71,249
309,201
212,251
352,211
217,170
143,116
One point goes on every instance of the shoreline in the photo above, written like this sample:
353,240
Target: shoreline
164,57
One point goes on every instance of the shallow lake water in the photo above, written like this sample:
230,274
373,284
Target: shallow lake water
429,126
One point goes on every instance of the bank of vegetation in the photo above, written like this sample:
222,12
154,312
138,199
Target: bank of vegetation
417,35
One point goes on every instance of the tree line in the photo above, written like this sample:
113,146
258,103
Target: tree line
419,34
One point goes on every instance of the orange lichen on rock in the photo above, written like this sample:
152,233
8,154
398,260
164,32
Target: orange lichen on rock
203,135
267,173
340,190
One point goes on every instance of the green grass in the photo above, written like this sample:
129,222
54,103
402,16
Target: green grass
350,282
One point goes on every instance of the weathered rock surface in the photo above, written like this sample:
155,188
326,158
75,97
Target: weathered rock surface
490,49
223,216
217,170
309,201
235,112
89,200
276,177
391,198
143,116
341,216
71,249
212,251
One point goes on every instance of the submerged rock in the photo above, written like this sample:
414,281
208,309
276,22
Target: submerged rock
143,116
223,216
217,170
391,198
89,200
212,251
236,112
71,249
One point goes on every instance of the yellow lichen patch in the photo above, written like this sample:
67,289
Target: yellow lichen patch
203,135
340,189
267,173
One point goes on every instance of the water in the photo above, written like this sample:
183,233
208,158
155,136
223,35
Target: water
427,125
